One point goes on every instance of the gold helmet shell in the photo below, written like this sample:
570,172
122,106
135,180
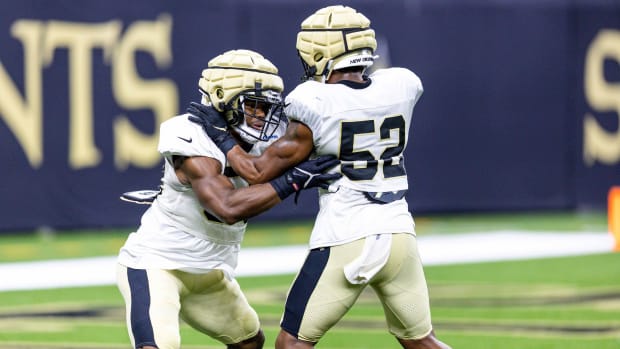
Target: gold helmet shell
233,72
238,79
335,37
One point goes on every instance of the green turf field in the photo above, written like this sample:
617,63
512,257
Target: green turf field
567,302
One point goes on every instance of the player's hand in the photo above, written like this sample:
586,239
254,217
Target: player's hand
213,123
308,174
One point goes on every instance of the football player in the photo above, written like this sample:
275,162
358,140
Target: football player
364,233
181,260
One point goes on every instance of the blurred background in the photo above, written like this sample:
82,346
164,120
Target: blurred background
520,111
514,147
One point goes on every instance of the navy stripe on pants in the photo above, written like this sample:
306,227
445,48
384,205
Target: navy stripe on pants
302,289
141,326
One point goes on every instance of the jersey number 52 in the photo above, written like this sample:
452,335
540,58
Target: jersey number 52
349,154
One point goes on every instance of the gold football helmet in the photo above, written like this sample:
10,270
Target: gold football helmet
335,37
238,79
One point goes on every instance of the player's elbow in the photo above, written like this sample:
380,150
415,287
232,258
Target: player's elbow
260,177
254,180
231,215
231,219
224,214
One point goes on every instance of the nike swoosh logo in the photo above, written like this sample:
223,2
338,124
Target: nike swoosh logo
188,140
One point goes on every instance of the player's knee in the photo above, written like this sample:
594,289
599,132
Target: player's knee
255,342
281,340
286,340
166,344
428,342
163,340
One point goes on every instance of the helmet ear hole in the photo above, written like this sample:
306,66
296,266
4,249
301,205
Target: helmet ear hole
233,118
231,111
318,57
219,92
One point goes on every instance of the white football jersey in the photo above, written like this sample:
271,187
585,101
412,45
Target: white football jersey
176,232
367,127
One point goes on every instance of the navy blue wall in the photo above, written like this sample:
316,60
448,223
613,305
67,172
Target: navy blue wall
520,110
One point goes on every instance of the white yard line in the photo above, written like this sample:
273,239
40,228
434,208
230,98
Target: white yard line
434,250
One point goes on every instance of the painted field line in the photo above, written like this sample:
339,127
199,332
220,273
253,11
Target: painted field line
434,250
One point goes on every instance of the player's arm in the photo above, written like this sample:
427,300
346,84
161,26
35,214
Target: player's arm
289,150
217,194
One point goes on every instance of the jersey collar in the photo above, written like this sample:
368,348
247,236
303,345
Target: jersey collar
356,85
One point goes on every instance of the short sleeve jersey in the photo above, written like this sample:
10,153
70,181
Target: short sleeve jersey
367,126
176,232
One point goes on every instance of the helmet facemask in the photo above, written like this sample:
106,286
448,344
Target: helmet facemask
257,115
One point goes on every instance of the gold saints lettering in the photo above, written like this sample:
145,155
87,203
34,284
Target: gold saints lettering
600,144
40,39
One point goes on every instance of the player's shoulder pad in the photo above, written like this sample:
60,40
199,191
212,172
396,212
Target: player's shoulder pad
303,103
305,91
398,73
398,76
179,136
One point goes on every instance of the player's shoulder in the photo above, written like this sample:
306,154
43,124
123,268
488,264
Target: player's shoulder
174,123
305,90
305,102
178,122
397,74
178,135
178,126
306,95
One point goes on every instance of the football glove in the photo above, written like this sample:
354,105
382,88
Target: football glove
214,125
308,174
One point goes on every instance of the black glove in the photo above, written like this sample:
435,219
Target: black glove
213,123
308,174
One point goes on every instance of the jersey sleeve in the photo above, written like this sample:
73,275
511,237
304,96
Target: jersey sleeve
301,105
412,81
416,85
179,136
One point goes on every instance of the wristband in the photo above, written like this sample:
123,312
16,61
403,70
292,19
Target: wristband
282,186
